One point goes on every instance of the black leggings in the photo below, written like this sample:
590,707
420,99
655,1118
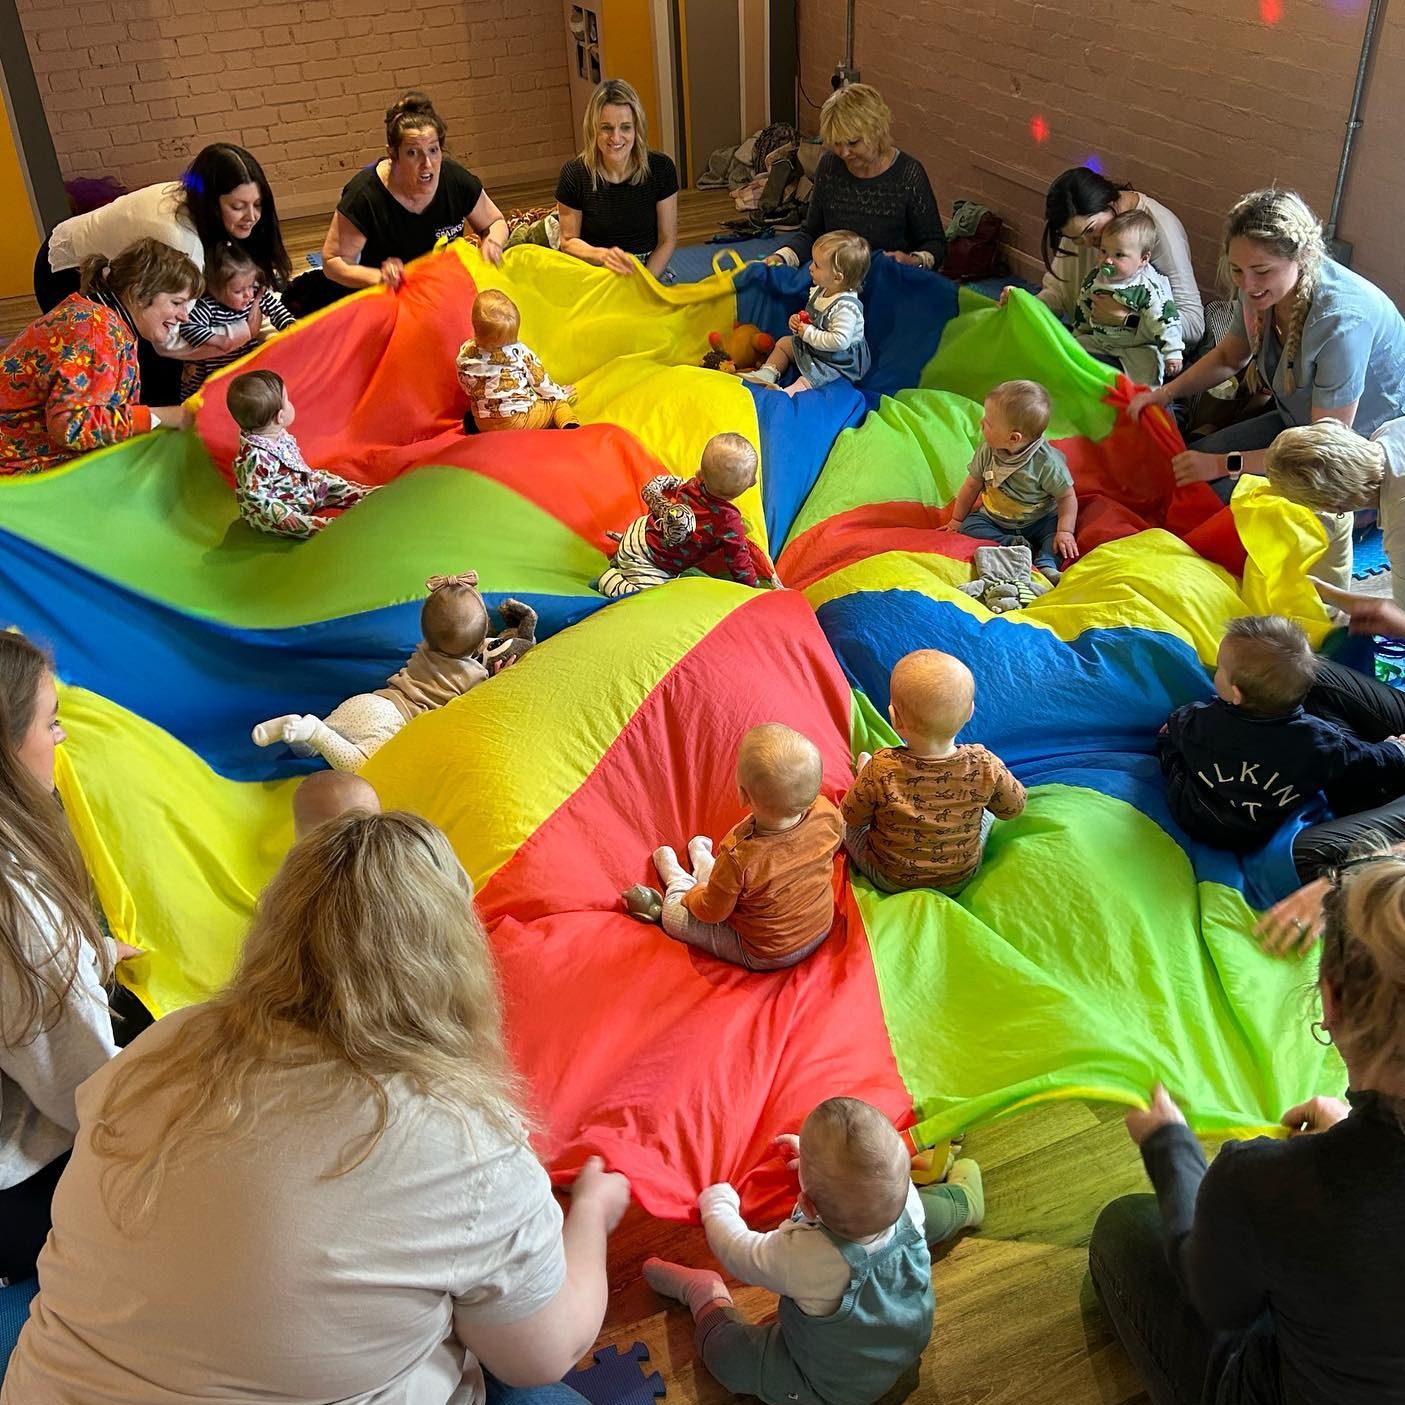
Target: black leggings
25,1218
26,1208
51,288
1372,711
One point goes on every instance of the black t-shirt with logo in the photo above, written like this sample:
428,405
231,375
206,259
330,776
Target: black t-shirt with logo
392,231
619,216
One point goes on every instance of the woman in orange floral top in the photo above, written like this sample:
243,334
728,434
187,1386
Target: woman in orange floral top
70,381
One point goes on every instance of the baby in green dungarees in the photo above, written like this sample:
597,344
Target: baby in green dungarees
851,1267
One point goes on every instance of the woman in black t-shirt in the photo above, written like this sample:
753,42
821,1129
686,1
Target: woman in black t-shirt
617,200
396,210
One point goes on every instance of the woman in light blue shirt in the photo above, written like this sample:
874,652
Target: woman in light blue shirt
1323,340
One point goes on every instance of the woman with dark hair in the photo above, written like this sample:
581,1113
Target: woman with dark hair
399,208
223,195
1079,205
1274,1275
71,381
55,1024
318,1186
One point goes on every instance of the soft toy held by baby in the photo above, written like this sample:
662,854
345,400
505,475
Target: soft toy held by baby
744,348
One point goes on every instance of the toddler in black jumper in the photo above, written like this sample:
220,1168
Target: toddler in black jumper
1236,768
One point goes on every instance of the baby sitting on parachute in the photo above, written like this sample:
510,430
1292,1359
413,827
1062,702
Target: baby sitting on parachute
687,522
456,654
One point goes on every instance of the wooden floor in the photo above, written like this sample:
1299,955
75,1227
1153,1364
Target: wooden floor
700,213
1016,1320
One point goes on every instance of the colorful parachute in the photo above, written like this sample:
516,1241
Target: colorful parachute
1097,951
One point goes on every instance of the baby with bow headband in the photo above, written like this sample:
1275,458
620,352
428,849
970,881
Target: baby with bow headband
455,654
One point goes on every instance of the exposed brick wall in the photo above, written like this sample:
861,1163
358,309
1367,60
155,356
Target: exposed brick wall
1193,101
133,88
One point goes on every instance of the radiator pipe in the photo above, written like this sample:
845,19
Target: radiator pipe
1353,122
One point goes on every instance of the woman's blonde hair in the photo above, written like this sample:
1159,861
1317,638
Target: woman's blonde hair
614,92
857,111
41,869
849,253
1281,221
141,272
1326,466
365,954
1363,961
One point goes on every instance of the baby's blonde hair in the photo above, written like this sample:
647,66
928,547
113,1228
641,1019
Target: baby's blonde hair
780,769
932,692
1326,466
729,465
1135,226
495,315
849,253
854,1167
1025,404
1282,222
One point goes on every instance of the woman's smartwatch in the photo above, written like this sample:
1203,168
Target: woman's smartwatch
1234,462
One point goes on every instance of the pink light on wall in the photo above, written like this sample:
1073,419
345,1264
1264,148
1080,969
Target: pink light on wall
1039,128
1270,11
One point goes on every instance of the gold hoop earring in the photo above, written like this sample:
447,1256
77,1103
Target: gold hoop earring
1320,1033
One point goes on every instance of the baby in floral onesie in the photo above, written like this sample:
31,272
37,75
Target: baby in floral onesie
277,492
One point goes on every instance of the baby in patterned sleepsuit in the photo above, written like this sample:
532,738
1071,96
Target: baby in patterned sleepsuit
506,384
275,489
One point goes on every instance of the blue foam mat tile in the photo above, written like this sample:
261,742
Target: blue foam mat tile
617,1378
14,1313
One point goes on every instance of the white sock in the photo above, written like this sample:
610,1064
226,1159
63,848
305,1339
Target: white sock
700,851
695,1288
270,732
965,1176
670,871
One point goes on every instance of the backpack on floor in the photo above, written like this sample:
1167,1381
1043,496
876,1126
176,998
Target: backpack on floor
973,243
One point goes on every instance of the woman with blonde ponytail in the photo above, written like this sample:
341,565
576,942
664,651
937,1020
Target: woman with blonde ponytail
55,1024
1274,1275
1322,339
318,1186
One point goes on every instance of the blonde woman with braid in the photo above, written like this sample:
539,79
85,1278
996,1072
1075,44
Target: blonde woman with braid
1322,339
318,1186
55,1023
1274,1274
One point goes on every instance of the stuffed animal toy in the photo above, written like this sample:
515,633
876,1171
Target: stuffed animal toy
744,348
1004,580
501,651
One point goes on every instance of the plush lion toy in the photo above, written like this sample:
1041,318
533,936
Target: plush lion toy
744,348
